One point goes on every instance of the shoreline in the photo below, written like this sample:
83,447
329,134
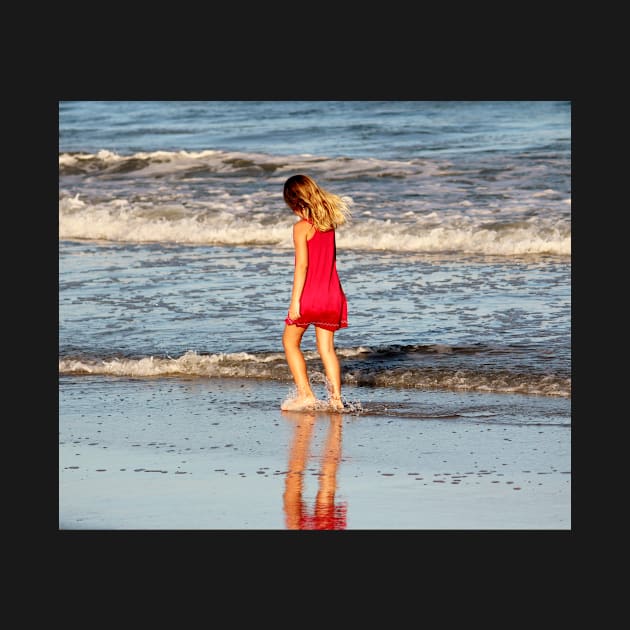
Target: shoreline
220,454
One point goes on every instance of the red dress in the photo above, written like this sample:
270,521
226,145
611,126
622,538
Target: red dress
323,302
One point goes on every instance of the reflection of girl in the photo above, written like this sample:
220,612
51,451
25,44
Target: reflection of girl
327,514
317,297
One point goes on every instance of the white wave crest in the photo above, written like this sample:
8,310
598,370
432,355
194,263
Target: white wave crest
272,366
163,163
190,363
536,237
121,221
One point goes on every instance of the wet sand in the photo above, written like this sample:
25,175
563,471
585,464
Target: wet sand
218,454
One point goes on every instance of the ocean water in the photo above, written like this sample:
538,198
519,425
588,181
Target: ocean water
176,260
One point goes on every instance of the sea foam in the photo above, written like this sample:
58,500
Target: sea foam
272,366
121,221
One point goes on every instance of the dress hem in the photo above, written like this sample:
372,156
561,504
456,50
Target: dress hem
326,325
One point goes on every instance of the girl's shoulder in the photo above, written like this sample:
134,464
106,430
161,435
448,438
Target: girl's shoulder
302,226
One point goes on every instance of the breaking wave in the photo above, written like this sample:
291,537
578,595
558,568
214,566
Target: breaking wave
361,366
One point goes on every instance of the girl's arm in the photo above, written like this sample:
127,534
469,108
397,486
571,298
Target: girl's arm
300,231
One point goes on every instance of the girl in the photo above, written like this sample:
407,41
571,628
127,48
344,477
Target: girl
317,296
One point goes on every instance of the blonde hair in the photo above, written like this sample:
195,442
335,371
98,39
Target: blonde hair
325,209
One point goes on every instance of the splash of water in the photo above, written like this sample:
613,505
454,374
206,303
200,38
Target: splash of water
292,400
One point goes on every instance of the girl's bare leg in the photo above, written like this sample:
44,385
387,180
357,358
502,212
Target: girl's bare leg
326,348
291,340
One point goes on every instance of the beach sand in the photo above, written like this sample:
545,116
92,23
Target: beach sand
218,454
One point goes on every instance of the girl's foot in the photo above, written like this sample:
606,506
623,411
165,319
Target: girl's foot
299,403
336,404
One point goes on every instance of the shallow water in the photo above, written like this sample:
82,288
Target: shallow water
219,454
414,320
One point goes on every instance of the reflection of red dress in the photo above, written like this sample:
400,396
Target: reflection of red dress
331,516
323,302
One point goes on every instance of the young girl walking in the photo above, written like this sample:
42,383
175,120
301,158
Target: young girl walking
317,297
